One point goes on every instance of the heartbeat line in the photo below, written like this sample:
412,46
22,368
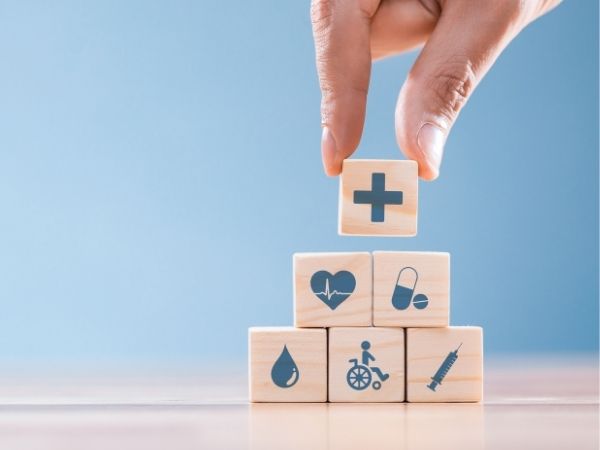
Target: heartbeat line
330,294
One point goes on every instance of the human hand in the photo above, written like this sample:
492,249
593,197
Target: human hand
462,40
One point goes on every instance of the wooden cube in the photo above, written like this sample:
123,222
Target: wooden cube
332,289
287,364
378,198
366,364
444,364
411,289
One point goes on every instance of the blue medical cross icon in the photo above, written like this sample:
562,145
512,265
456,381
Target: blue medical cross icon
378,197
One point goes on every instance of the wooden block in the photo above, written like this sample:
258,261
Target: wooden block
354,376
444,364
332,289
378,198
411,289
287,364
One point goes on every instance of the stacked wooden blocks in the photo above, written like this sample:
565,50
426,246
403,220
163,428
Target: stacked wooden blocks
370,327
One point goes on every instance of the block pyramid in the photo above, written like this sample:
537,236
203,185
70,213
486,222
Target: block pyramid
370,327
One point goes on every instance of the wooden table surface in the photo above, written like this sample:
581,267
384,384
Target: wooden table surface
530,402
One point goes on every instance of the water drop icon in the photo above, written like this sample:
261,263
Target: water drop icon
285,372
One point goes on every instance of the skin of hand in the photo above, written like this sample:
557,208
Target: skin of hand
461,40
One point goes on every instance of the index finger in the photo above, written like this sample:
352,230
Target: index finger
341,32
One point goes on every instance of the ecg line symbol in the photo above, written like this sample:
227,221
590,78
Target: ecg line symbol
332,289
329,294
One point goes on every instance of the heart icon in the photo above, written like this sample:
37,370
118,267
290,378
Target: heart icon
332,289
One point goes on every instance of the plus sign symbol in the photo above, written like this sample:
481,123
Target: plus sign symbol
378,197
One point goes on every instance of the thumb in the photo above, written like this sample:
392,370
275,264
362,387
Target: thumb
466,41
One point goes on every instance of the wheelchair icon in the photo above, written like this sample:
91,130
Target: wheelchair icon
360,376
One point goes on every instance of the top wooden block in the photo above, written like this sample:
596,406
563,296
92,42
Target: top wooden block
378,198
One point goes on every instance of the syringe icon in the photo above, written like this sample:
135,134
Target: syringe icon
444,368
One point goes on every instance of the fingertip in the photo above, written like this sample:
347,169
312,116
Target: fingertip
331,163
331,167
431,140
426,147
428,173
426,170
332,171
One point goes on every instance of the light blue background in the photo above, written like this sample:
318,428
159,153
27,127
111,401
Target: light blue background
159,164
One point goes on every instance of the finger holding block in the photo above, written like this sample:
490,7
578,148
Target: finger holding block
287,364
378,198
332,289
444,364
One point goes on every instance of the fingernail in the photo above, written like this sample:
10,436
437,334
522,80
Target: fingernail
329,152
430,140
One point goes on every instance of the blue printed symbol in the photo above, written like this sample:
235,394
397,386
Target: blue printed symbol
332,289
378,197
285,372
359,376
444,368
405,288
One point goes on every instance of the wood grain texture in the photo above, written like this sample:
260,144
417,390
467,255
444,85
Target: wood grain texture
310,311
433,280
308,348
386,345
400,220
426,350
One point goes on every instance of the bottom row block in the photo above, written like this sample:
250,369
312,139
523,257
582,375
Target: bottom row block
365,364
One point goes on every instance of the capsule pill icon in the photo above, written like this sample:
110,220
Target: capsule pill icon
405,289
